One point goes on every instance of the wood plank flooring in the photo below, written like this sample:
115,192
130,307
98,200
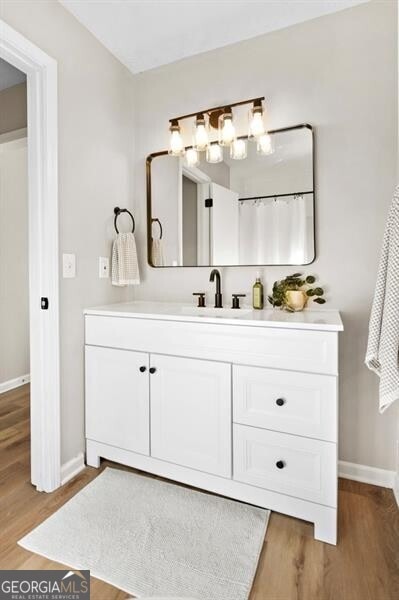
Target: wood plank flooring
293,566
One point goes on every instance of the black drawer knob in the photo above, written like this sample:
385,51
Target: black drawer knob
143,369
152,370
280,401
280,464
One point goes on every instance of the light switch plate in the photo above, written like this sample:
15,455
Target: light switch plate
68,266
103,267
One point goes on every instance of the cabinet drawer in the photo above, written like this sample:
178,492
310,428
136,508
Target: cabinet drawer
308,468
288,401
273,347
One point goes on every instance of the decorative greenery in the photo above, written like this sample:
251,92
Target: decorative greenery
295,282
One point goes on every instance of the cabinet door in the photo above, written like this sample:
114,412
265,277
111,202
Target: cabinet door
191,413
117,398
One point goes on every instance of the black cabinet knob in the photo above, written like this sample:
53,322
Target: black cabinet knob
143,369
280,464
152,370
280,401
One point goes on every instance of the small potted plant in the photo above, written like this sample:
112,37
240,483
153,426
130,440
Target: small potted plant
293,292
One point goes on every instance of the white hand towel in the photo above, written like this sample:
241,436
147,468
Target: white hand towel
383,343
125,266
158,258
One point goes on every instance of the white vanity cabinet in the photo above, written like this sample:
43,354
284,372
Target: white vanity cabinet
246,407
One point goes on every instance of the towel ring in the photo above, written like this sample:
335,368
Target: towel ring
117,212
160,227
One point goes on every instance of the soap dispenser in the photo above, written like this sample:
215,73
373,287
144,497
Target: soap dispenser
257,293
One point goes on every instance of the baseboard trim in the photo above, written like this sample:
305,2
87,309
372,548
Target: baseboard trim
72,468
347,470
11,384
396,488
366,474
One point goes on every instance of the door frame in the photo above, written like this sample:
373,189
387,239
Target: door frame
204,215
41,73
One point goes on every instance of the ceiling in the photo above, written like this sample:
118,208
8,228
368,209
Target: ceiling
9,75
144,34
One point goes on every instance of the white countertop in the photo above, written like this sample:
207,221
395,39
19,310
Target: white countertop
320,320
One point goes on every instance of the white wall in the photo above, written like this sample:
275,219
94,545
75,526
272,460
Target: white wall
14,276
337,73
95,103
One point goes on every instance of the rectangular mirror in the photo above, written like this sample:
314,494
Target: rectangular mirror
254,211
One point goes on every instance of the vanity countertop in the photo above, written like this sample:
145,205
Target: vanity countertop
318,320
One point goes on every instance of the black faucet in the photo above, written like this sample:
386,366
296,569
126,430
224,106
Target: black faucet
218,295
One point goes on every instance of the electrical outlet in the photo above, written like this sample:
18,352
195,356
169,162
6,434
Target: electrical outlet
68,266
103,267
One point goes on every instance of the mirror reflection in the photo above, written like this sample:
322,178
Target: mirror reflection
256,211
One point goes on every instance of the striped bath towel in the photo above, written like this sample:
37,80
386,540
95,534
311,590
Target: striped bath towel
125,266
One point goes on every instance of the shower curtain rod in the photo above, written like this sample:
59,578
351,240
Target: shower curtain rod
274,196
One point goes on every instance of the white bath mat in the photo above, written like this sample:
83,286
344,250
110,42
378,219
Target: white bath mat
152,538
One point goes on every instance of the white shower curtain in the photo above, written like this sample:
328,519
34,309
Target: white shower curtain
273,231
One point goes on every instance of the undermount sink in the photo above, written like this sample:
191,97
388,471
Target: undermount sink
227,313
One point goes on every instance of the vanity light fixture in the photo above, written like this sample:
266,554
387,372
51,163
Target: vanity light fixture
220,118
214,153
256,121
238,149
201,138
227,132
265,145
176,147
192,158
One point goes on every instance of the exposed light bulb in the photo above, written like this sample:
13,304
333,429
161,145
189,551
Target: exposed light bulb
176,147
201,139
265,145
192,158
238,149
214,153
227,132
256,122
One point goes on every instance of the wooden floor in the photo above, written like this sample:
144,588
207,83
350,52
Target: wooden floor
293,566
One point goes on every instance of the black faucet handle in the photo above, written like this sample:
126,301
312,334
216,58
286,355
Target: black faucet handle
201,299
236,300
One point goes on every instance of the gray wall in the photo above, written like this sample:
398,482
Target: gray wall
338,73
14,275
95,103
13,113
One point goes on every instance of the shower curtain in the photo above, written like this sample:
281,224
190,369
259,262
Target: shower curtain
273,231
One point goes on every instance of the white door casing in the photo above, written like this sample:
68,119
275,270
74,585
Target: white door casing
224,226
41,72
